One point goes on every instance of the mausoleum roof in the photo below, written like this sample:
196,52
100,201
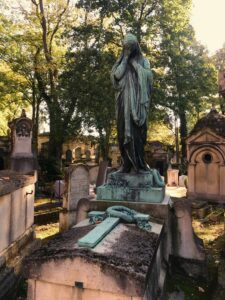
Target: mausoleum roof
213,120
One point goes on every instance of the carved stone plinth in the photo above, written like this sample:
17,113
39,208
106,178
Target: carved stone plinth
141,187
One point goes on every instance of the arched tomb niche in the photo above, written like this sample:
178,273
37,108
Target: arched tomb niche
206,172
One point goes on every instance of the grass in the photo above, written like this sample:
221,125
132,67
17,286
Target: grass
208,231
44,201
44,231
213,236
192,289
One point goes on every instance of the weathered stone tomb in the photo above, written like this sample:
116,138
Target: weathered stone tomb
22,157
16,227
206,158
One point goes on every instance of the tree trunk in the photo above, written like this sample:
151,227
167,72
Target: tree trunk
56,140
222,104
103,145
183,135
35,117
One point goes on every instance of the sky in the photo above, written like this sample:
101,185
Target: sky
208,20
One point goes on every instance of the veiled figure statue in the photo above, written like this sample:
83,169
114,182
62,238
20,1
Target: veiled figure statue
132,78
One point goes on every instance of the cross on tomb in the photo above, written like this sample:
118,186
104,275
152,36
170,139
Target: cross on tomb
111,219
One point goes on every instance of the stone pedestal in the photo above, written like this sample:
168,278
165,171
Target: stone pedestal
141,187
23,165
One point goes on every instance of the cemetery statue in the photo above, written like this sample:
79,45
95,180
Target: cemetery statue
132,78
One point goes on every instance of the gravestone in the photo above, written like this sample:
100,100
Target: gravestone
22,156
172,177
76,188
183,180
59,189
93,173
102,173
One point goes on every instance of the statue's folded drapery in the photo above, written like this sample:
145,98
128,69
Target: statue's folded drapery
132,79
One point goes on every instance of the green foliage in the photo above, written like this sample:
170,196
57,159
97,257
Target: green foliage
219,59
60,54
34,48
50,170
159,131
89,81
13,85
187,76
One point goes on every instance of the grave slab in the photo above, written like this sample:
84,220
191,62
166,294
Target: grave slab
122,266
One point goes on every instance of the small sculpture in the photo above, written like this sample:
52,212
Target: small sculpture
23,129
132,78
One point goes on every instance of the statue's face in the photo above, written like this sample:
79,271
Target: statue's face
130,45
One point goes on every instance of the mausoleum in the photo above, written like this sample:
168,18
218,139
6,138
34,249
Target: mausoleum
206,158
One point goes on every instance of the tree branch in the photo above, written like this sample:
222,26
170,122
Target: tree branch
151,9
57,25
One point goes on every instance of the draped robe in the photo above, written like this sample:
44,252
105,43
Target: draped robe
132,81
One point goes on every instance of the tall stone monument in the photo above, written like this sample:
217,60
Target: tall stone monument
22,156
132,79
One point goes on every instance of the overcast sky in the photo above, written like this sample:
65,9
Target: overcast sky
208,19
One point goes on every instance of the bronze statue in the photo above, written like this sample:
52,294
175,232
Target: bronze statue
132,78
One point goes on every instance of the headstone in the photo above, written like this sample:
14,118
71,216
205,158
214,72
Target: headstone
183,180
76,188
185,243
22,156
102,173
93,174
59,189
172,177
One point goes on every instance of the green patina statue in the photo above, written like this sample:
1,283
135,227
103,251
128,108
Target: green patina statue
132,78
135,181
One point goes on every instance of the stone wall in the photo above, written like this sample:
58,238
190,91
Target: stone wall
16,227
16,206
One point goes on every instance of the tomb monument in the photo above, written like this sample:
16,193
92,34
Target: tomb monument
132,79
22,156
206,158
121,244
